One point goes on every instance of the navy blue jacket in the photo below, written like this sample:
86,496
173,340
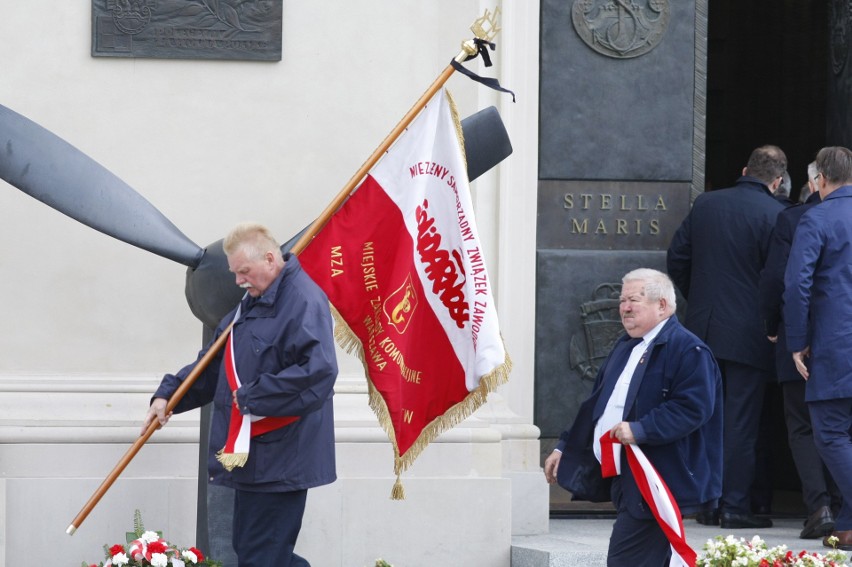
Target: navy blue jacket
674,407
818,295
284,352
715,259
772,286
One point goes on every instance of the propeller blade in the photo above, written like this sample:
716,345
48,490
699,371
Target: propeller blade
486,142
48,168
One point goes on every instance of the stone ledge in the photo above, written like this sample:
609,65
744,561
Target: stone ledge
107,384
526,557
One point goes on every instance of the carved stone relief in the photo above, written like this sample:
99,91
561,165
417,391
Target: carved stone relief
601,327
840,21
621,28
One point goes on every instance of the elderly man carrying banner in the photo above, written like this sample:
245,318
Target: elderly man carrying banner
659,392
272,434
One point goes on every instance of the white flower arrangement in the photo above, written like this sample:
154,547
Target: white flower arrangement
739,552
146,548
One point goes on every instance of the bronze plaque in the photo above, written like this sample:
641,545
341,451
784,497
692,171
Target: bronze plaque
187,29
609,215
621,29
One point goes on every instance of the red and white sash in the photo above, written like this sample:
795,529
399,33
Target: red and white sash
241,428
654,491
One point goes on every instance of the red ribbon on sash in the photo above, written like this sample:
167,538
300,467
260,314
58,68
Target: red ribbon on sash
242,427
655,492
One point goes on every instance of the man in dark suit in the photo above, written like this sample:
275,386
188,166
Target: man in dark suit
660,389
715,259
817,485
817,309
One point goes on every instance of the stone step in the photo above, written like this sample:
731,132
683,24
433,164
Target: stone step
583,542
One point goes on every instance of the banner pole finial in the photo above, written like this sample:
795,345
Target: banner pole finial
485,28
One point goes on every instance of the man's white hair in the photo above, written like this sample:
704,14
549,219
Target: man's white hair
657,286
254,239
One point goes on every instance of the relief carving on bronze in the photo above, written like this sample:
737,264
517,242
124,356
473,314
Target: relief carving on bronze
621,28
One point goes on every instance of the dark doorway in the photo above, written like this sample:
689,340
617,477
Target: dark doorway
766,84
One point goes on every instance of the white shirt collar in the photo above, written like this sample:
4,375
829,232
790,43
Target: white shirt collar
652,334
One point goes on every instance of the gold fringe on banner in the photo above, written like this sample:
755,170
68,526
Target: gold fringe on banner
398,492
231,460
348,341
457,121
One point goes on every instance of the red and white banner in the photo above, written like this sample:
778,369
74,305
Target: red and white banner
402,265
655,492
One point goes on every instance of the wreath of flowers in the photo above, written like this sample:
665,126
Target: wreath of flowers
149,549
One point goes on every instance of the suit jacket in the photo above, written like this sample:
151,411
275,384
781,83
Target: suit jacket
715,259
674,407
818,295
772,286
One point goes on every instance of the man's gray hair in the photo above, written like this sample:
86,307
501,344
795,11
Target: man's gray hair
657,286
785,186
806,192
253,238
835,163
812,171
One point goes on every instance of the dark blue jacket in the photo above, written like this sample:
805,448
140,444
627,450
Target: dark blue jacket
674,407
715,259
284,352
772,286
818,295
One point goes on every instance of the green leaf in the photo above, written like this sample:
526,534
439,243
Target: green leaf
138,526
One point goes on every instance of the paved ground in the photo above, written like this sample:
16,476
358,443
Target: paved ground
583,542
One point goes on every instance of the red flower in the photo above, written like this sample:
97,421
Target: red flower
197,553
156,547
116,549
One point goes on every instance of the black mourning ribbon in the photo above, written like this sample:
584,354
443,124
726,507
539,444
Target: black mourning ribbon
481,44
481,49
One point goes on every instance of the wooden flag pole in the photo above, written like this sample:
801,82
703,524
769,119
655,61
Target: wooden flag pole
152,427
350,186
484,28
